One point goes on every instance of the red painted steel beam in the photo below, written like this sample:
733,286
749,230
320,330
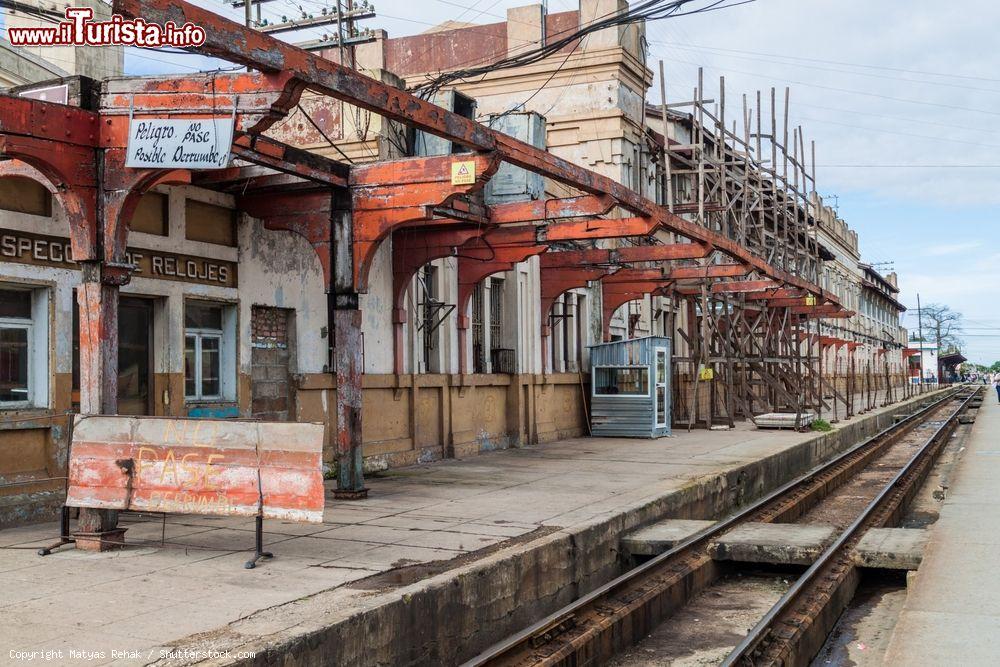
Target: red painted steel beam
549,209
602,228
650,253
824,311
613,299
17,168
496,252
710,271
655,253
660,275
412,249
27,117
786,303
552,284
290,160
259,98
739,286
387,195
304,213
250,179
71,170
232,41
781,293
120,190
502,248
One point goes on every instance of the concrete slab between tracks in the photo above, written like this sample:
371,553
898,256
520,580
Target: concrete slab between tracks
774,543
952,611
441,561
891,548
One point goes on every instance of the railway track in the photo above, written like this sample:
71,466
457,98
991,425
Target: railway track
598,626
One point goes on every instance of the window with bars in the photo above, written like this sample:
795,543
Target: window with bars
502,359
478,343
430,294
496,313
567,324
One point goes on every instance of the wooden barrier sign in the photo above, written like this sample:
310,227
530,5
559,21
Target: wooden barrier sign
197,466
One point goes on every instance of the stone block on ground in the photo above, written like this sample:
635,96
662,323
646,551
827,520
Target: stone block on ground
661,536
891,548
775,543
784,420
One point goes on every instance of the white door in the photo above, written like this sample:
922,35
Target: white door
660,387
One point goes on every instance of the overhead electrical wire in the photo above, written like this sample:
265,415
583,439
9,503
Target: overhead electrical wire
989,112
838,71
650,10
951,75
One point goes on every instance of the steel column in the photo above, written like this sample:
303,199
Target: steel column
347,353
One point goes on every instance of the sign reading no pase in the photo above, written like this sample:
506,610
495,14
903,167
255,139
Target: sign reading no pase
216,467
202,143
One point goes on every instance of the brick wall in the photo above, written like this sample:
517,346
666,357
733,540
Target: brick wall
271,386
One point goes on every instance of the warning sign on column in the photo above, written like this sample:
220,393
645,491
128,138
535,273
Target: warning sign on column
463,173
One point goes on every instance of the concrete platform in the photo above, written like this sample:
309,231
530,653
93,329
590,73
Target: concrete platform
662,536
441,560
774,543
952,611
891,548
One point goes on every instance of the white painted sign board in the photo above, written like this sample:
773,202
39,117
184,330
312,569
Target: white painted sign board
191,143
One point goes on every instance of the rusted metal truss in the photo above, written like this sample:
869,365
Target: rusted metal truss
231,41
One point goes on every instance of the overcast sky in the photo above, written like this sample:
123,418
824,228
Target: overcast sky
891,91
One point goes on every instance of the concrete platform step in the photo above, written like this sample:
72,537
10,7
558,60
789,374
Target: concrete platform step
891,548
661,536
774,543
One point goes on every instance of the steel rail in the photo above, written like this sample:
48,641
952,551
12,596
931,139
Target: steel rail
742,653
496,653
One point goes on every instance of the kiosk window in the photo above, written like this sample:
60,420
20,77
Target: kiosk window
630,380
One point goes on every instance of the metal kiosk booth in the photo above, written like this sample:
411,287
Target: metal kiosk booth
630,388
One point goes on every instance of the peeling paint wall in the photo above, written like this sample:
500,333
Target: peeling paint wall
275,268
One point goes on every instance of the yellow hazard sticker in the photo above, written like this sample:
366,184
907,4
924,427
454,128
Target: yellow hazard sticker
463,173
810,300
706,373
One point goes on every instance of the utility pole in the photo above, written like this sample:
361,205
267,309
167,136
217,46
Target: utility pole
345,17
920,328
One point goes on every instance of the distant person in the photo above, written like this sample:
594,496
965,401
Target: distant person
996,384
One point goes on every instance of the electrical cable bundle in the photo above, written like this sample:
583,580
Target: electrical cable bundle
649,10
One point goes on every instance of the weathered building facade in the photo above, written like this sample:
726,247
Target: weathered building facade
397,280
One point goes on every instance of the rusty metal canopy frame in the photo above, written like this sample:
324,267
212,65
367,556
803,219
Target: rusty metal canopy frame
346,212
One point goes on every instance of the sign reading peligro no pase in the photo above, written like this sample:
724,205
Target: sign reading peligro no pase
201,143
42,250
